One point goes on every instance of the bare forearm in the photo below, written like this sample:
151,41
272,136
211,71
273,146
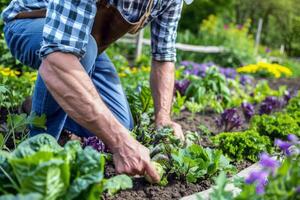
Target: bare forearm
162,86
74,91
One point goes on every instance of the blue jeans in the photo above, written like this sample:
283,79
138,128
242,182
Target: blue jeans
24,37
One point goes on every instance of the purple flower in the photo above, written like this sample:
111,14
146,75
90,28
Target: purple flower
181,86
226,26
260,188
245,80
269,105
293,138
260,178
230,119
240,26
268,50
298,189
95,143
248,110
268,162
284,146
228,72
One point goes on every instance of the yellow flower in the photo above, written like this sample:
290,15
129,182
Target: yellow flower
274,69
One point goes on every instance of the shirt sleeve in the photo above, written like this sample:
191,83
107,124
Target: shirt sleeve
67,26
164,32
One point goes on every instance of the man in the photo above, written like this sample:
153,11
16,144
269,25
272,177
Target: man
78,89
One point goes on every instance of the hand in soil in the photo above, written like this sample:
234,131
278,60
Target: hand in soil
132,158
175,126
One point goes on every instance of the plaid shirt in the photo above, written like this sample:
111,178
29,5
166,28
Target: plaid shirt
68,23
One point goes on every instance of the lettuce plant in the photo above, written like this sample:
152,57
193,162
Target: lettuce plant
279,125
40,166
242,145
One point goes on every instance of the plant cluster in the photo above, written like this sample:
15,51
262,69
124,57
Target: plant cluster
277,178
40,167
15,87
266,70
279,125
242,145
187,161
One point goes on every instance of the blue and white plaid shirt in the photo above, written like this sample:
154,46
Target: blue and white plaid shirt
68,23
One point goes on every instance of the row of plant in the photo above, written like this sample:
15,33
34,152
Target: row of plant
277,177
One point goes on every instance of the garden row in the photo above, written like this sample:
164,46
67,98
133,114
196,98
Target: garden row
39,168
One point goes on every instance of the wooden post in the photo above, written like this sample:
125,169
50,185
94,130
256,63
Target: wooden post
139,44
258,35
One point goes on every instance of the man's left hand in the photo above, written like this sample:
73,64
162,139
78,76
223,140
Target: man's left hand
176,127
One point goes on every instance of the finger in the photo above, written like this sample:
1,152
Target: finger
152,173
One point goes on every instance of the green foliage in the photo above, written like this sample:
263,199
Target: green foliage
30,196
178,104
210,91
282,184
194,108
188,161
195,162
39,165
242,145
140,101
279,125
219,190
15,88
117,183
294,104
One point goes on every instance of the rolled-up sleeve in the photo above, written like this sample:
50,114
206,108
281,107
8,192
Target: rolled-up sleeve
164,32
67,26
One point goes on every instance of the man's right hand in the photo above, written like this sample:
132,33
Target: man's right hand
132,158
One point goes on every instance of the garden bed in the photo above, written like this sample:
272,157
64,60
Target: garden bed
177,189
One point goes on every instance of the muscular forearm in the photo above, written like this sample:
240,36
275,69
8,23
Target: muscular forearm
74,91
162,85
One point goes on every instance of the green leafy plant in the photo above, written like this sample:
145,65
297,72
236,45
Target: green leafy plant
178,104
39,165
17,123
213,85
117,183
195,162
294,104
242,145
274,126
194,108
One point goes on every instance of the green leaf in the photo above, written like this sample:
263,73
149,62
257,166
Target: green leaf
42,173
117,183
90,172
37,121
29,196
41,142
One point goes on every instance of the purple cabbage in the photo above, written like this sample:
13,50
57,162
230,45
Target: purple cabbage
248,110
181,86
269,105
230,119
95,143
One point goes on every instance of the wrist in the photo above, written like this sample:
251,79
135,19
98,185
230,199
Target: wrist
121,140
162,119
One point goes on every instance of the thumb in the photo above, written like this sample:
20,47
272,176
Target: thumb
152,173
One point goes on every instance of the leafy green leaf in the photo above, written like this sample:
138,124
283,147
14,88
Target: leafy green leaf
117,183
29,196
